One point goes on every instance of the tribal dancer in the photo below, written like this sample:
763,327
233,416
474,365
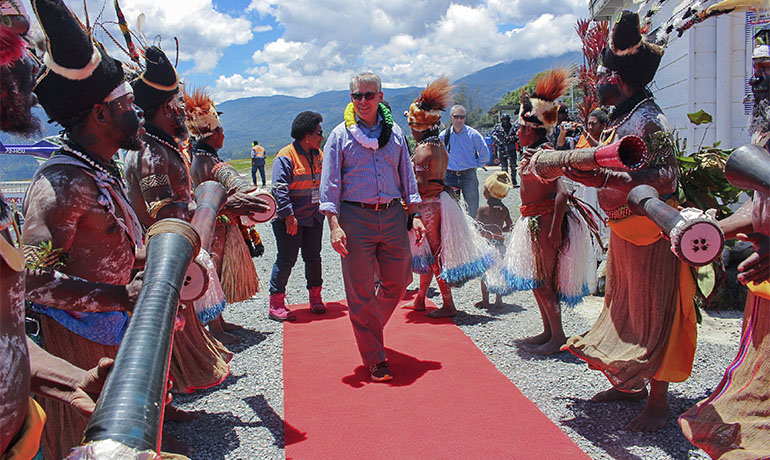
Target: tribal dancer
228,249
29,367
549,245
158,179
81,236
732,422
647,330
449,230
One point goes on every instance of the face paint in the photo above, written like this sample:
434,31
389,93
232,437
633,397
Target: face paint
128,119
177,107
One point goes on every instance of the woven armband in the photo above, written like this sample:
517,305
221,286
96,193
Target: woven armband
154,181
44,256
154,208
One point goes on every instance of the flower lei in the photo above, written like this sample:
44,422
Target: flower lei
368,142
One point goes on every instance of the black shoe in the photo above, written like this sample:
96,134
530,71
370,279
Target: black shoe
380,372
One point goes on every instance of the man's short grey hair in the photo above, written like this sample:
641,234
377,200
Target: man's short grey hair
456,107
370,78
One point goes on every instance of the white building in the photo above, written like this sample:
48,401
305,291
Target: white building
707,68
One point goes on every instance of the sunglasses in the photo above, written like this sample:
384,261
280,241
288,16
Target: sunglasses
458,117
368,96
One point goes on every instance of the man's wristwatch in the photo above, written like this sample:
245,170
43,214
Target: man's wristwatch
416,214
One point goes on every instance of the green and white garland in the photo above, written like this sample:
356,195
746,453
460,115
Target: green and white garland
363,139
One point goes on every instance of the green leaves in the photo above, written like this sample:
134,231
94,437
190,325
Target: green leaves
702,182
700,117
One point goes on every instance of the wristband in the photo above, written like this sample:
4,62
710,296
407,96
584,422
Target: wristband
416,214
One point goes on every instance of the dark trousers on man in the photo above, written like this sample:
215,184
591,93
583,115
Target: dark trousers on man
261,170
308,239
374,239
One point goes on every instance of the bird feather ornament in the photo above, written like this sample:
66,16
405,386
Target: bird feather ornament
548,89
425,112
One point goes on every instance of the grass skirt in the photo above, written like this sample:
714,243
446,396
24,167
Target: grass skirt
238,276
212,303
464,254
522,266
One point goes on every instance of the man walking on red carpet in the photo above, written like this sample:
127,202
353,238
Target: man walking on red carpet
366,173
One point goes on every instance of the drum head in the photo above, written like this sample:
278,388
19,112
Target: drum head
195,282
701,243
260,217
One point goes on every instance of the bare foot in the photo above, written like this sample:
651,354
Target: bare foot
417,305
443,312
613,394
481,304
224,337
652,418
230,326
174,414
539,339
549,348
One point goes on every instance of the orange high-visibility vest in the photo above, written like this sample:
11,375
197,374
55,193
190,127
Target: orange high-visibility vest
306,177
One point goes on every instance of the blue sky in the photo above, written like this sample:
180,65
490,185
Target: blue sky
240,48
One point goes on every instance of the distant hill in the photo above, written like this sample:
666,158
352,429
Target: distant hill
268,119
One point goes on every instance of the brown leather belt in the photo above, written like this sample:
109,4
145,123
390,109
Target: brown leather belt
375,206
461,172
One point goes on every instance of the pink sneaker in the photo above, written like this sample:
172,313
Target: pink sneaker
316,304
278,310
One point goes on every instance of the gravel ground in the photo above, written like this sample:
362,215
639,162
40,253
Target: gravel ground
243,417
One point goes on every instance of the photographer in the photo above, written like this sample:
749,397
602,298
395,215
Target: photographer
566,132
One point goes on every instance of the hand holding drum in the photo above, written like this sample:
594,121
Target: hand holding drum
629,153
234,182
695,235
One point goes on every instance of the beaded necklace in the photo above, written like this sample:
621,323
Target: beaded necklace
112,171
168,144
610,130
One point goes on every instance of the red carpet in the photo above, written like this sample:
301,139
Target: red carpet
446,400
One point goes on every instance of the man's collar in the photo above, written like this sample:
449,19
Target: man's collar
362,124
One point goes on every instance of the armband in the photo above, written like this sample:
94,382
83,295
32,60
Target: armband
154,181
154,208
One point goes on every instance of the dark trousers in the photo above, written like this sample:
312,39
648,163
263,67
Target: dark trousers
509,158
309,240
261,170
375,239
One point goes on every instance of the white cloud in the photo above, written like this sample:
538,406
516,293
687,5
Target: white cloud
404,41
263,28
203,32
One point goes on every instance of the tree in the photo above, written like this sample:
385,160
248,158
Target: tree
473,110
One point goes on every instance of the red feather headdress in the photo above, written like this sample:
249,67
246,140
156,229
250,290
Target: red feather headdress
202,116
425,112
541,108
11,45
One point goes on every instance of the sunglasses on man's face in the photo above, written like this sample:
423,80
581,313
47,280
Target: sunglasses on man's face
368,96
459,117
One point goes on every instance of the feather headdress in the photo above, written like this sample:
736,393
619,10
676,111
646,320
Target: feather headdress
425,112
11,45
202,116
541,108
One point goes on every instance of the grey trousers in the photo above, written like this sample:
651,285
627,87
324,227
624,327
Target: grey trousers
374,239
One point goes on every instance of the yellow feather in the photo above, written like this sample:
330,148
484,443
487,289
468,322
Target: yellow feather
737,5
